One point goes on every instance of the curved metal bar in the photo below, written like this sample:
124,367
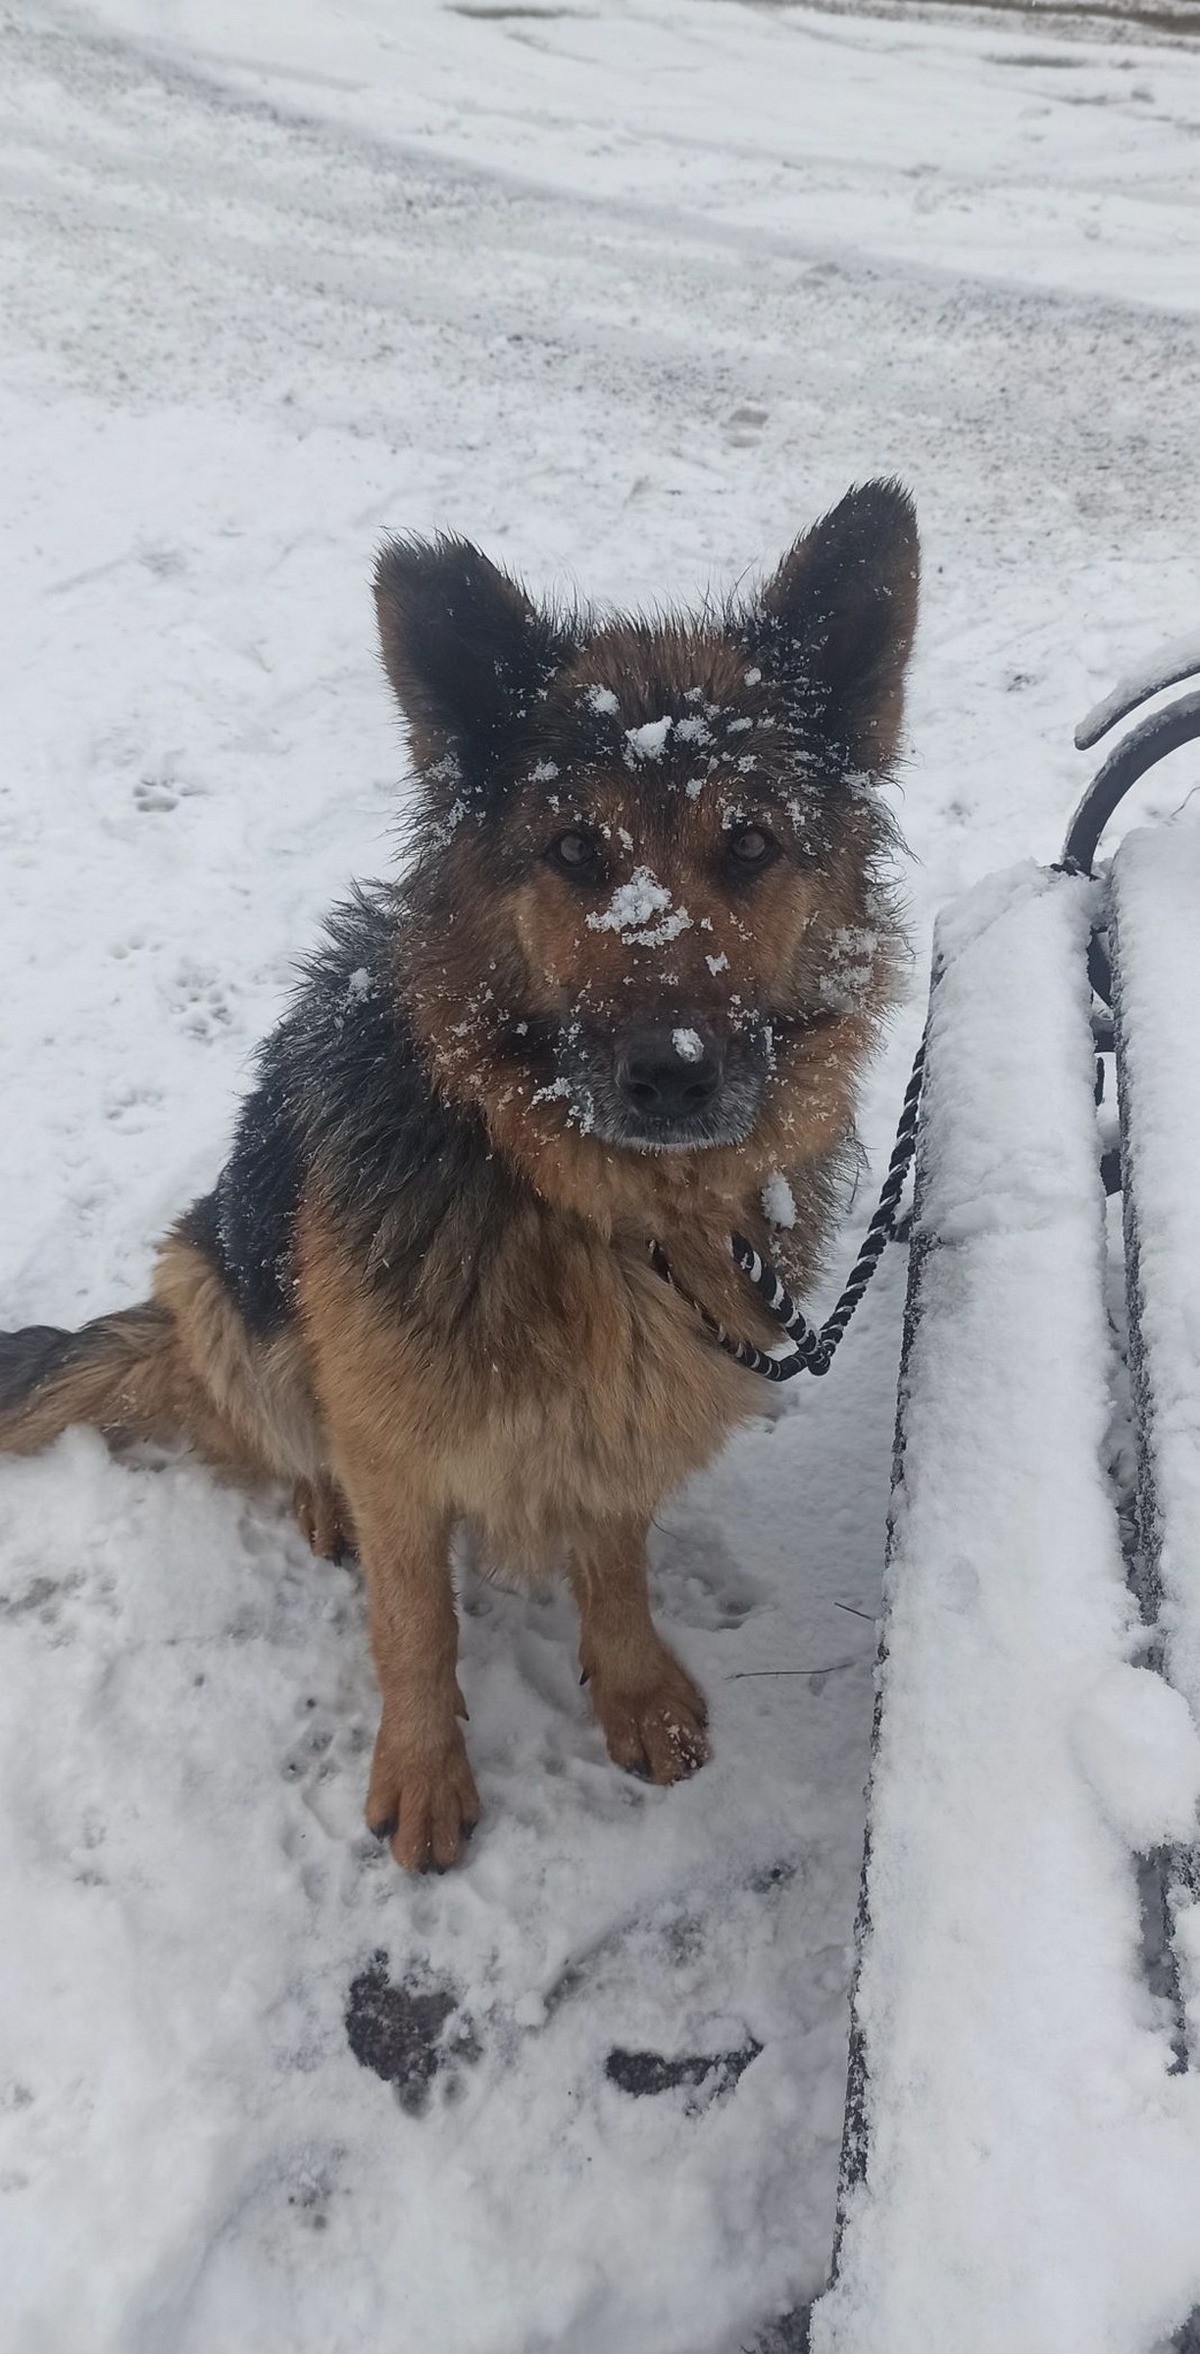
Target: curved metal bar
1171,665
1150,741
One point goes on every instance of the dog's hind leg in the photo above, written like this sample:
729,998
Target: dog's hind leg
180,1367
250,1408
653,1716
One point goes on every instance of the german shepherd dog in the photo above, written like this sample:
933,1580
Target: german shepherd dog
625,990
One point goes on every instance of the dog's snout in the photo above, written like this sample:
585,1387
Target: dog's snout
669,1073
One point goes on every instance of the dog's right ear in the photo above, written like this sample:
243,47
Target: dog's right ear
467,654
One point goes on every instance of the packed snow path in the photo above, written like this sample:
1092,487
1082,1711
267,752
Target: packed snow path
627,293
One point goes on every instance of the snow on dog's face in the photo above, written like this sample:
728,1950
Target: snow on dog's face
651,848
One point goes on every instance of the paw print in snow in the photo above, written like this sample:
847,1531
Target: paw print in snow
743,425
155,794
199,1003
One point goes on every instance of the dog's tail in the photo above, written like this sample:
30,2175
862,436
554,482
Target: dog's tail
120,1374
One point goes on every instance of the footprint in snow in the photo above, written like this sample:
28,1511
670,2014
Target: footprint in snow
153,794
159,793
743,425
409,2033
706,1584
790,2334
703,2076
200,1005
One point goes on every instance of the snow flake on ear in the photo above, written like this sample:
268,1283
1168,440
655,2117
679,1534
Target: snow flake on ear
544,773
603,700
642,912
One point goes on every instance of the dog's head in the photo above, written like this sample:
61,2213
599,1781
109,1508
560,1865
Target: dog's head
651,848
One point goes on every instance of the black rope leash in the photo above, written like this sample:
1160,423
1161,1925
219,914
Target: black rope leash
815,1345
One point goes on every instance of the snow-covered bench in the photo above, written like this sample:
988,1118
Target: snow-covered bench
1021,2164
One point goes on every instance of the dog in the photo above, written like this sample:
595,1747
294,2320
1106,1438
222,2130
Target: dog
621,998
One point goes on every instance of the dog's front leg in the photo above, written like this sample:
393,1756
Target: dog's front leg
422,1794
653,1716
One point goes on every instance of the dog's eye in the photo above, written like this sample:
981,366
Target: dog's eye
749,846
575,852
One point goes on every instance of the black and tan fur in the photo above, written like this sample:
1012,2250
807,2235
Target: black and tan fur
420,1290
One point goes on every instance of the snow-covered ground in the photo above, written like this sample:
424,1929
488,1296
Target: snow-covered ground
627,290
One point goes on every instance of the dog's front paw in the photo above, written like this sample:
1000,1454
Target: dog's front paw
426,1806
659,1728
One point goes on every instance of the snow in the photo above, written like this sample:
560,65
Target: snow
627,294
688,1045
695,730
648,742
778,1201
1136,1740
1164,668
633,908
1034,2170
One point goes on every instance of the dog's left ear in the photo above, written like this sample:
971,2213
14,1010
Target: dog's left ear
837,621
465,649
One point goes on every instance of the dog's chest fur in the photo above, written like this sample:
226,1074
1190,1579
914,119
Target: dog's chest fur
550,1379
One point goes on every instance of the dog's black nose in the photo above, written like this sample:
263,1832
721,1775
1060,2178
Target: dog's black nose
669,1074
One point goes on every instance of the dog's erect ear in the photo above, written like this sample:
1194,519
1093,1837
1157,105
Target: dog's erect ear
464,648
836,623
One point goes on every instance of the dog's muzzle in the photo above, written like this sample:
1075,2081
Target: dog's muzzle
666,1086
